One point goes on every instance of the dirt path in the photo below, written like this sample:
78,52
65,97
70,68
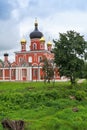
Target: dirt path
80,80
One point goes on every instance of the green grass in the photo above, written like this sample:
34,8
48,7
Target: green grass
44,106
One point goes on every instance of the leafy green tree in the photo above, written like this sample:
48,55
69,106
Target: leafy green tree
69,53
84,72
1,61
47,69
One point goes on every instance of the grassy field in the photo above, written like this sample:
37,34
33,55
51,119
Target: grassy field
45,106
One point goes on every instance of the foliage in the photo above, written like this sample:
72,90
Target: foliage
69,52
47,69
80,95
44,107
84,72
1,61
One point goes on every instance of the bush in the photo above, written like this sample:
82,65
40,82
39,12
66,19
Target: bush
80,95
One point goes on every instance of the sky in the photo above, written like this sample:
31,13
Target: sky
17,19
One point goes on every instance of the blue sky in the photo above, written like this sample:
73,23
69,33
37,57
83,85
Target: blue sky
17,20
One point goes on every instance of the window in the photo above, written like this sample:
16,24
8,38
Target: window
34,46
41,46
7,72
30,59
22,47
39,59
20,59
24,72
13,72
35,72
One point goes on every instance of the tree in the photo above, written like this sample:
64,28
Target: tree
69,53
84,72
47,69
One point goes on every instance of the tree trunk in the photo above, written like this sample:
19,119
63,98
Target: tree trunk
72,79
13,125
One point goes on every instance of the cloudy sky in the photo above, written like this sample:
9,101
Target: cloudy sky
17,20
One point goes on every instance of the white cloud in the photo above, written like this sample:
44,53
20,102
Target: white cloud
8,34
23,3
15,14
53,17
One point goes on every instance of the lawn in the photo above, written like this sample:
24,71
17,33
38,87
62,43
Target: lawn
45,106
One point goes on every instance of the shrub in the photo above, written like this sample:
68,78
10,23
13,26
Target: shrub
80,95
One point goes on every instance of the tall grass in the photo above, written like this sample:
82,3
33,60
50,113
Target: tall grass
44,106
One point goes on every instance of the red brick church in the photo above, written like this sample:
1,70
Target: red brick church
27,65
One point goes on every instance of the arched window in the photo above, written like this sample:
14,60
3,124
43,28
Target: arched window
41,46
39,59
13,72
34,46
30,59
35,72
24,72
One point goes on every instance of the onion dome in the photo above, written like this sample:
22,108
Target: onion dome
6,54
36,33
23,41
42,39
49,44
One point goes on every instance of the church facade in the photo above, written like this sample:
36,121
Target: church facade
27,65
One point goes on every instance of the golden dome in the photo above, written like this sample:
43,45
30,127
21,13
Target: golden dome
49,43
23,40
42,39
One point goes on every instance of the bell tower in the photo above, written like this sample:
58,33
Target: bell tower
49,46
23,45
35,37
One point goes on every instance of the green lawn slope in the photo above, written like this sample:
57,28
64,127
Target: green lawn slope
57,106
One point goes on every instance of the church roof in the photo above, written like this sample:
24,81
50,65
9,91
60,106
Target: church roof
23,40
49,43
42,39
36,33
6,54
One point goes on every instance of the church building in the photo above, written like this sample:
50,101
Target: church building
27,65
